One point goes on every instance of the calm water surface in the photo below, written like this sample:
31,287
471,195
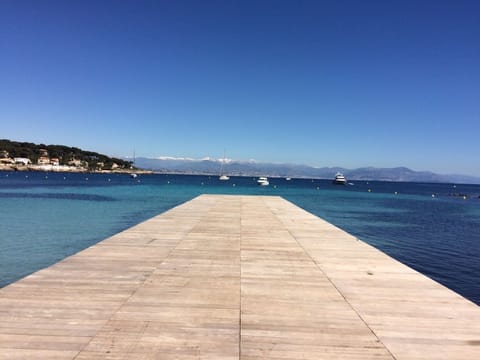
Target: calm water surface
48,216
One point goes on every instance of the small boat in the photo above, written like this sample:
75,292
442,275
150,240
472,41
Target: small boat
288,178
340,179
263,181
133,175
223,177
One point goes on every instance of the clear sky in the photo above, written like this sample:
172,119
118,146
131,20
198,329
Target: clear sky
324,83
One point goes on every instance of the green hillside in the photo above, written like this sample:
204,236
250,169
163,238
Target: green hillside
65,154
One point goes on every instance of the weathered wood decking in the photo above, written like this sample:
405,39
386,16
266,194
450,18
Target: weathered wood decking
229,277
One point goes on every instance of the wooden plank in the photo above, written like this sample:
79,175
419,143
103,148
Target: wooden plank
290,310
412,315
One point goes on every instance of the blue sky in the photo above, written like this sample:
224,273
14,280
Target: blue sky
323,83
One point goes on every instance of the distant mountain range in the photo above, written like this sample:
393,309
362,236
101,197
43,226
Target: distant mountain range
252,168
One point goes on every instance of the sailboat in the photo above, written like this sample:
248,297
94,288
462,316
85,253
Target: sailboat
133,175
223,177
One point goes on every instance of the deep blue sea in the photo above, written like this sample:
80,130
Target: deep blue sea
45,217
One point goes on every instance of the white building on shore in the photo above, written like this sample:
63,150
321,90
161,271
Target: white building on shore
22,161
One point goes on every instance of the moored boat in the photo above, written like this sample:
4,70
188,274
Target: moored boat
223,177
339,179
263,181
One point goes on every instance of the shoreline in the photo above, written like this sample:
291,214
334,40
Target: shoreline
69,169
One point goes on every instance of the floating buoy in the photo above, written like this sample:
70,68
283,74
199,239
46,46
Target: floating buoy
318,188
234,185
369,190
465,197
433,195
396,193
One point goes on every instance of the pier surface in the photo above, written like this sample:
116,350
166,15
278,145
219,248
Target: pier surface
230,277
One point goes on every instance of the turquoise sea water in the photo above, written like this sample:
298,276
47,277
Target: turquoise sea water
48,216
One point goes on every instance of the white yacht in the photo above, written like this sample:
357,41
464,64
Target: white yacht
262,181
224,177
339,179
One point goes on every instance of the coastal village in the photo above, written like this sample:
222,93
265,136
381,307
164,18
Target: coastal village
60,160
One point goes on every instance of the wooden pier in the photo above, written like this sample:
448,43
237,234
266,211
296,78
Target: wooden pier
234,277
